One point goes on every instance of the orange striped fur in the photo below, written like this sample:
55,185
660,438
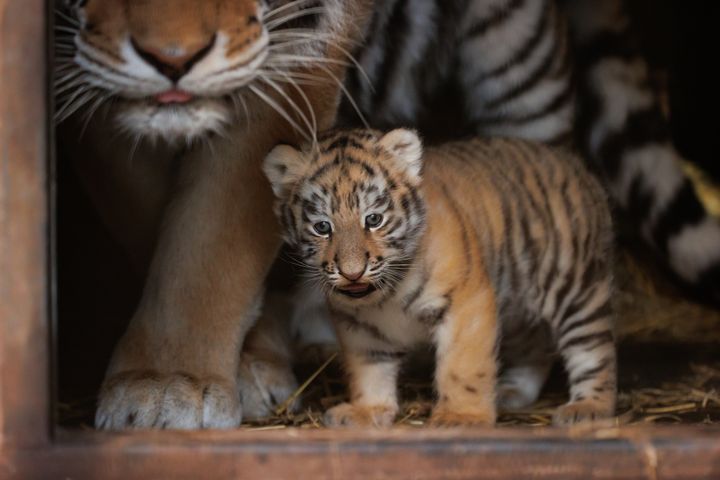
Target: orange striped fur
497,252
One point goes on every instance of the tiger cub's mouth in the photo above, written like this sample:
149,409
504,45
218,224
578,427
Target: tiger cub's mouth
357,290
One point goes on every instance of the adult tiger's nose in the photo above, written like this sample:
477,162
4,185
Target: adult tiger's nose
173,62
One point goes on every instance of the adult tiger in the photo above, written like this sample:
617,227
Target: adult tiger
547,70
202,89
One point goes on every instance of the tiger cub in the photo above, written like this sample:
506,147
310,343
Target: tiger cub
497,252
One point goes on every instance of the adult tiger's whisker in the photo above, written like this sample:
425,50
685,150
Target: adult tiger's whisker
308,104
287,6
347,94
272,24
333,43
311,126
274,105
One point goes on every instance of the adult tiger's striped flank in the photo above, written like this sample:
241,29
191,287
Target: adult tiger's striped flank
497,252
548,70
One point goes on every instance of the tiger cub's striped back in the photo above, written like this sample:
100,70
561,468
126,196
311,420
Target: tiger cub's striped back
477,247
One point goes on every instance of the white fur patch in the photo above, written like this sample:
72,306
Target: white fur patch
617,83
695,247
660,170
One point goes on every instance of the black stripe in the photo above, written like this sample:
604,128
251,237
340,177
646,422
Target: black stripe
556,102
525,50
320,171
588,374
533,78
394,48
603,337
642,128
604,311
500,15
344,142
354,324
640,200
412,298
389,179
391,226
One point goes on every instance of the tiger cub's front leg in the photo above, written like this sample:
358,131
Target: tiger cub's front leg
466,369
373,392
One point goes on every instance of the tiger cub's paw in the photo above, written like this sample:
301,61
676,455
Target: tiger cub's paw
442,417
349,415
583,412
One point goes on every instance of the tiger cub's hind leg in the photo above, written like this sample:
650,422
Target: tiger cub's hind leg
527,354
519,386
586,342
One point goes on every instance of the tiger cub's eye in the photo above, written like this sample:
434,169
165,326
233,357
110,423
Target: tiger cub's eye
322,228
373,220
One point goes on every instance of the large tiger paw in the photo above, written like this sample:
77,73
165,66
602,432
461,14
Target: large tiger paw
348,415
265,385
583,411
142,400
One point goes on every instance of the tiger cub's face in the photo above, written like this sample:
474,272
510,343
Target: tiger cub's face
178,69
352,209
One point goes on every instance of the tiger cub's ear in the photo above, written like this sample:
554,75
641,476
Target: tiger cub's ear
284,166
406,147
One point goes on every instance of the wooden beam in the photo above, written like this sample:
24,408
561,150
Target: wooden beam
655,453
24,334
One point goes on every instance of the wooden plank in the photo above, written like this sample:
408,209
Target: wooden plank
628,453
24,344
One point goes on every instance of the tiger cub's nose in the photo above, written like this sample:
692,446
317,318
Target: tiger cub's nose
353,274
173,62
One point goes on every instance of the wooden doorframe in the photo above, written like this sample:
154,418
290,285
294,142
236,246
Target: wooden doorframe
31,448
24,225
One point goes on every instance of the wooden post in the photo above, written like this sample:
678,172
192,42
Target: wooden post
24,326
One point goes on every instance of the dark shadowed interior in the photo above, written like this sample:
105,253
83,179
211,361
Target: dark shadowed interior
670,363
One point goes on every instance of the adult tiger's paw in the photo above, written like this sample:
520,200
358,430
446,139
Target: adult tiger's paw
349,415
142,400
265,385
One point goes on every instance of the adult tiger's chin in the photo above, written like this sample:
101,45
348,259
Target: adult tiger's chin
173,122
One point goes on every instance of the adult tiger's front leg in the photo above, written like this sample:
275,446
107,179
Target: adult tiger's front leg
176,367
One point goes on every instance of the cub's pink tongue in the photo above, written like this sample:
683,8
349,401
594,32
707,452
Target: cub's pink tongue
173,96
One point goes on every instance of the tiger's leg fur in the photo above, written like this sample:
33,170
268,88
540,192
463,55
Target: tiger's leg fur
176,366
586,343
265,376
527,354
519,386
466,371
373,391
623,131
515,71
